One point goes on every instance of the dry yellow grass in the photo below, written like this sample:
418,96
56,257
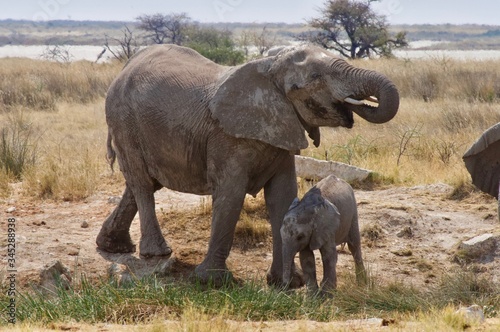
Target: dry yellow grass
445,106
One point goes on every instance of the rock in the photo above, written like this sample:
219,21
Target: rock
10,209
474,313
406,232
480,248
164,267
84,224
55,275
114,200
314,169
119,273
369,322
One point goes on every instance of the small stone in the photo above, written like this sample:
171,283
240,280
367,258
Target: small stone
114,200
164,267
119,273
55,275
84,224
473,313
11,209
406,232
369,322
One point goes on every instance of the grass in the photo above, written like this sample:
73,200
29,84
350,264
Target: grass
144,301
58,113
445,106
18,146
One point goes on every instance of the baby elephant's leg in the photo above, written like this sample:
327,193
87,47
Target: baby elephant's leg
308,264
354,244
329,258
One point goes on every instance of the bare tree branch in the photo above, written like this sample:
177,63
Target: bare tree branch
127,45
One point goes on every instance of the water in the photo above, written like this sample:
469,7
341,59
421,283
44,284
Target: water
90,53
76,52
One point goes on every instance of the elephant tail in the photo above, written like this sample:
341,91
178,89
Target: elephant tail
111,154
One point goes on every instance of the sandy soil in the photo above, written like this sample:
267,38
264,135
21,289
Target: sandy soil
409,235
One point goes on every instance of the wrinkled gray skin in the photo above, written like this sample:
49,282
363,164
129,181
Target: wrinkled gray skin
483,162
180,121
326,216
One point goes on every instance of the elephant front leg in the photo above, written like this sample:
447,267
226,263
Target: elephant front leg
279,192
114,235
308,265
329,259
226,207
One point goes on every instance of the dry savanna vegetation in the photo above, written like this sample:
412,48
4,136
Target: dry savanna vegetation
52,149
53,126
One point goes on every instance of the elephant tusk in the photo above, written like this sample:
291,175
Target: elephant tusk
360,102
354,101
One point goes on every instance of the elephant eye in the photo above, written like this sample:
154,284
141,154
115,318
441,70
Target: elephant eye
315,76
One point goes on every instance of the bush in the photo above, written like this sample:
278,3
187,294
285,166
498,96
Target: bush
18,147
215,45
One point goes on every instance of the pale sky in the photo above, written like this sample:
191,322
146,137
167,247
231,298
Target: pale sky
289,11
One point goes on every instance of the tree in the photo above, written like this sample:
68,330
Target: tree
263,40
165,29
127,45
352,28
216,45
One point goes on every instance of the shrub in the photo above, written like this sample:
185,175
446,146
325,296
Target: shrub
18,147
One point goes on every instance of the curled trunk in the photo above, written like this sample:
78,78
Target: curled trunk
365,85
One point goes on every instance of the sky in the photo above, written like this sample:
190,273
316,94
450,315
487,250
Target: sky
288,11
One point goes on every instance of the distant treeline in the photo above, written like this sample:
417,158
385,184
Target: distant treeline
69,32
448,32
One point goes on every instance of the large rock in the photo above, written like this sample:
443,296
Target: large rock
55,275
314,169
481,248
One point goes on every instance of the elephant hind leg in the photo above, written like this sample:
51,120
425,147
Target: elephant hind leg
354,244
152,241
114,235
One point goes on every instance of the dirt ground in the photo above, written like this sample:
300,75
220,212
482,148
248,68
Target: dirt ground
409,235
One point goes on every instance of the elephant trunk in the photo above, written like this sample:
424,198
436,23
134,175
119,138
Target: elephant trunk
367,84
288,261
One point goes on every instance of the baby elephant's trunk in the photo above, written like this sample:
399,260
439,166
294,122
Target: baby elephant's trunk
288,260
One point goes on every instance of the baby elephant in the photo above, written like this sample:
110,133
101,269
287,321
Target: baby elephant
326,216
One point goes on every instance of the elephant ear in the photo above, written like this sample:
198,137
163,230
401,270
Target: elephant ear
294,204
248,105
325,224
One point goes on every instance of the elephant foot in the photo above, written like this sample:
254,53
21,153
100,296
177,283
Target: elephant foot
212,276
154,247
115,242
276,279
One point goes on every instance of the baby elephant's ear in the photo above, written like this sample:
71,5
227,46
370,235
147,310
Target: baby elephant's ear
325,224
247,104
294,204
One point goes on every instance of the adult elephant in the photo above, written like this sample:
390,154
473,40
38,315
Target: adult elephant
180,121
482,160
